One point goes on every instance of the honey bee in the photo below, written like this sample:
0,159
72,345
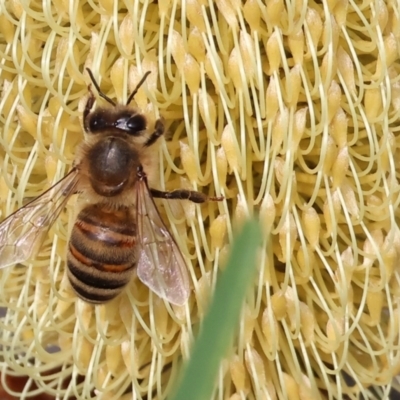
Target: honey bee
119,228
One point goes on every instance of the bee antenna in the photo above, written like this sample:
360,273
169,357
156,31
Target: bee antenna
132,95
96,85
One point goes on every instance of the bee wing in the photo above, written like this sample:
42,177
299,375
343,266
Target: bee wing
23,232
161,265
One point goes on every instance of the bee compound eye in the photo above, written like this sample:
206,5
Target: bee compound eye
96,123
136,124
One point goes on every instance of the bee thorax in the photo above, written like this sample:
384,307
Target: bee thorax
111,162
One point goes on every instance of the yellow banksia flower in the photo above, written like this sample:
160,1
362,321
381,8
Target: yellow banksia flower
290,110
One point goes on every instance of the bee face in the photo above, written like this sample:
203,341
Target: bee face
115,121
119,229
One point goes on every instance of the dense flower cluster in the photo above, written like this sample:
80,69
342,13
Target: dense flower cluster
288,109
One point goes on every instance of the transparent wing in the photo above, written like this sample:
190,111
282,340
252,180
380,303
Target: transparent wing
23,232
161,265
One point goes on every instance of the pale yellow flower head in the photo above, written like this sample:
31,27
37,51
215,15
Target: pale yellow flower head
288,109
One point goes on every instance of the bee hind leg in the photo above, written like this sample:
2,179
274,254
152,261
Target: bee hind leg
182,194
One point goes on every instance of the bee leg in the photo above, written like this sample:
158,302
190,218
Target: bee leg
182,194
88,107
158,132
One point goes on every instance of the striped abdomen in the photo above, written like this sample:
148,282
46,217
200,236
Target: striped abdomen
101,252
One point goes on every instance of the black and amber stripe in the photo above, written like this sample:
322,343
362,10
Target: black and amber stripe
101,252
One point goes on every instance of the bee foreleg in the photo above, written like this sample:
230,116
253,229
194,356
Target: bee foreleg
182,194
158,132
88,107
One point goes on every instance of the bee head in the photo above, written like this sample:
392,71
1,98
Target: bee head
118,119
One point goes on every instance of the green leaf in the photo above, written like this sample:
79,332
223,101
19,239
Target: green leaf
222,320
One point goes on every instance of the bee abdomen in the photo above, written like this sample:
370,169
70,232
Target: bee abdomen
101,253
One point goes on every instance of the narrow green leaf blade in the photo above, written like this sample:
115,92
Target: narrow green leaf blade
221,321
